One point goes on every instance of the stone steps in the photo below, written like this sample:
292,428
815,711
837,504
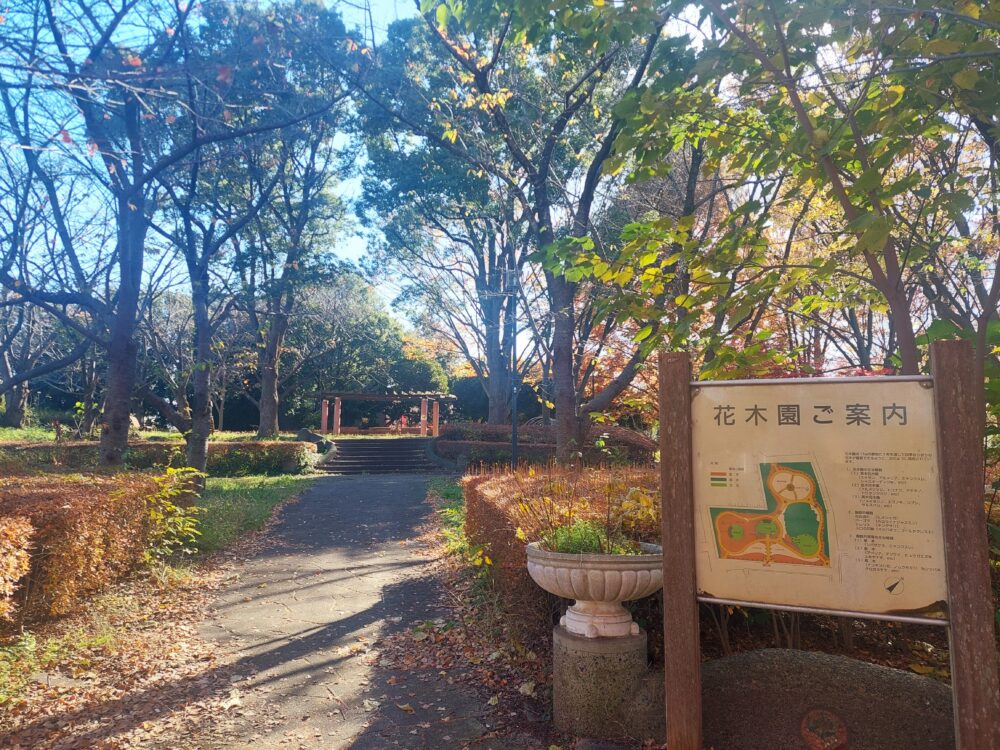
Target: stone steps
378,456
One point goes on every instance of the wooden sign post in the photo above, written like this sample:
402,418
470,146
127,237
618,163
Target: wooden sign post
681,640
858,497
975,691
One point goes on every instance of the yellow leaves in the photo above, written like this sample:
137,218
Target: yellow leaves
971,10
450,134
521,536
480,558
821,137
966,79
942,46
487,102
892,96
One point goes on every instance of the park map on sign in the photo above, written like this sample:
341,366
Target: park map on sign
792,530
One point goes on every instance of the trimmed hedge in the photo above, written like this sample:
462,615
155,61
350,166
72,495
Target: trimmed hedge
228,459
480,452
489,525
77,532
490,444
15,536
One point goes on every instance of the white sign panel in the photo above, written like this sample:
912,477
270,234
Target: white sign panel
820,494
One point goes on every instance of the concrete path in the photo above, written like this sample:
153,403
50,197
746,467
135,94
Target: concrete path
300,622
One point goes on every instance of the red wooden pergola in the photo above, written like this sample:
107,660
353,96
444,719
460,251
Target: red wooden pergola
430,403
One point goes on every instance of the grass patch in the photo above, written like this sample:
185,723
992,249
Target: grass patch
235,505
72,653
450,504
481,599
27,434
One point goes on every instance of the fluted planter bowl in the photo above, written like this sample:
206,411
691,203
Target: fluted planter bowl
599,583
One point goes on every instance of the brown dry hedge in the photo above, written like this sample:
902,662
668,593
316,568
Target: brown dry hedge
490,444
227,459
15,538
79,533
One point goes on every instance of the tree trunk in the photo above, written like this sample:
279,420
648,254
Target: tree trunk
568,441
91,409
201,378
123,349
899,308
268,426
16,401
498,394
497,380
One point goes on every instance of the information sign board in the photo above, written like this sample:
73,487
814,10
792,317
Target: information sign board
821,494
861,497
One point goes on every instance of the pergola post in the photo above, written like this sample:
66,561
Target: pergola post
324,413
423,417
435,418
336,416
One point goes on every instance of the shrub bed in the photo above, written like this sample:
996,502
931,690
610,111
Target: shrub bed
229,459
492,521
482,452
69,535
15,537
490,444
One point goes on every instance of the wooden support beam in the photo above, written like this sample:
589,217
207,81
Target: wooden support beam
681,646
435,418
423,417
958,406
336,416
324,415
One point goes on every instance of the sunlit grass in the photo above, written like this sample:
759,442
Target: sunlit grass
26,655
235,505
26,434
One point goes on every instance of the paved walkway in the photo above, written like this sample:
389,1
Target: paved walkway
304,613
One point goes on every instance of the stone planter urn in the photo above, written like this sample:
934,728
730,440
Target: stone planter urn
599,583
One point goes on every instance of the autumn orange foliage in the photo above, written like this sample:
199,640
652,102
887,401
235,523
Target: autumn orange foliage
490,444
68,536
15,538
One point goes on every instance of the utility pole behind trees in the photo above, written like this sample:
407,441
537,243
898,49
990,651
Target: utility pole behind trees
513,284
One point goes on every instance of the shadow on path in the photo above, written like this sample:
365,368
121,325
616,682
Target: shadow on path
295,631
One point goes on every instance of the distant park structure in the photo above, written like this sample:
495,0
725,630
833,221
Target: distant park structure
430,413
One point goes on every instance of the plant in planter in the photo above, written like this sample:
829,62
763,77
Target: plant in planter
597,556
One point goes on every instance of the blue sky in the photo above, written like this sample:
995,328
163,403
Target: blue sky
383,13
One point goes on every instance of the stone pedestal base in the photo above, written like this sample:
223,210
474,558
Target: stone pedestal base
600,686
